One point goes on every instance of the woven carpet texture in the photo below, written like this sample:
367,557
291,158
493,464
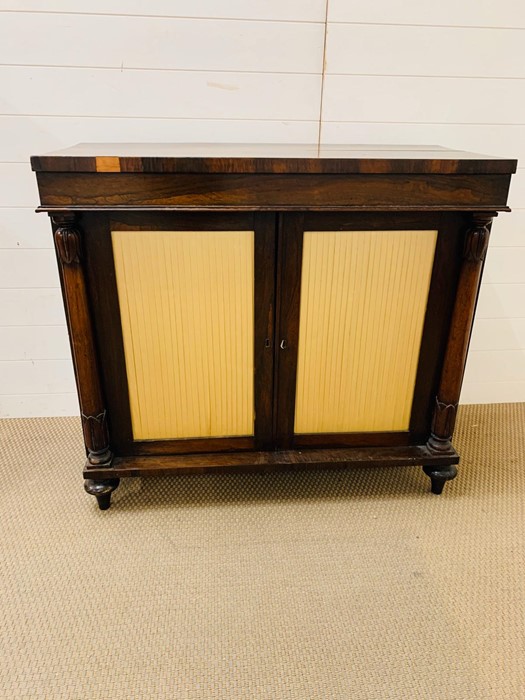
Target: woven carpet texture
348,585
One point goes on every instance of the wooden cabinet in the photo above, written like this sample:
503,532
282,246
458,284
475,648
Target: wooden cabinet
250,307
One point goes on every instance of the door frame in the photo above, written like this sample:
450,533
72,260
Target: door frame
443,285
102,292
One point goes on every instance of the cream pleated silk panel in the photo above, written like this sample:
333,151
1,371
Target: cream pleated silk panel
186,302
363,302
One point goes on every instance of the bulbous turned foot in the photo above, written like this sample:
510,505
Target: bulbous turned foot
102,490
439,476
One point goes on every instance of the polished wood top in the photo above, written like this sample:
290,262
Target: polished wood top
267,158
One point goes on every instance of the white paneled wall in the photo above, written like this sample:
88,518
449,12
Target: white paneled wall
449,73
445,14
124,43
273,10
250,71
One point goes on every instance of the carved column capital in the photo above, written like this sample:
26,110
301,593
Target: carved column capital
67,239
477,238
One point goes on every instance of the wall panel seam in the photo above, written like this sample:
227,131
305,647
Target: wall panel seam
383,122
32,361
35,325
137,69
176,17
323,74
189,119
44,393
436,26
408,75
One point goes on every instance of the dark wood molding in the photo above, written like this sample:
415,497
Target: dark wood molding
190,445
290,251
68,244
264,326
414,455
378,439
221,208
272,191
440,306
101,281
241,158
476,240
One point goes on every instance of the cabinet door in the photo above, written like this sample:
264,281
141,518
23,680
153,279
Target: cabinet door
183,307
366,301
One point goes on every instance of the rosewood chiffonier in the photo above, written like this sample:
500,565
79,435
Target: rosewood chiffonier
257,307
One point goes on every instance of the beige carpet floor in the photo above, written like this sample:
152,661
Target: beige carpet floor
333,585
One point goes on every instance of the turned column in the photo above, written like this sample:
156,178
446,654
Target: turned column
446,403
68,244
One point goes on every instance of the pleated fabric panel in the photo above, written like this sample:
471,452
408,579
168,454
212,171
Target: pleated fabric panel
363,302
186,302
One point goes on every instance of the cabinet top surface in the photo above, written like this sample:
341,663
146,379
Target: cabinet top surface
266,158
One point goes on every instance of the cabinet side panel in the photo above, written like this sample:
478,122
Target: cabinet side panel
186,300
363,301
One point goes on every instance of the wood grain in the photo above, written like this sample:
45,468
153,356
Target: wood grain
476,240
271,461
288,296
269,158
271,191
70,257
